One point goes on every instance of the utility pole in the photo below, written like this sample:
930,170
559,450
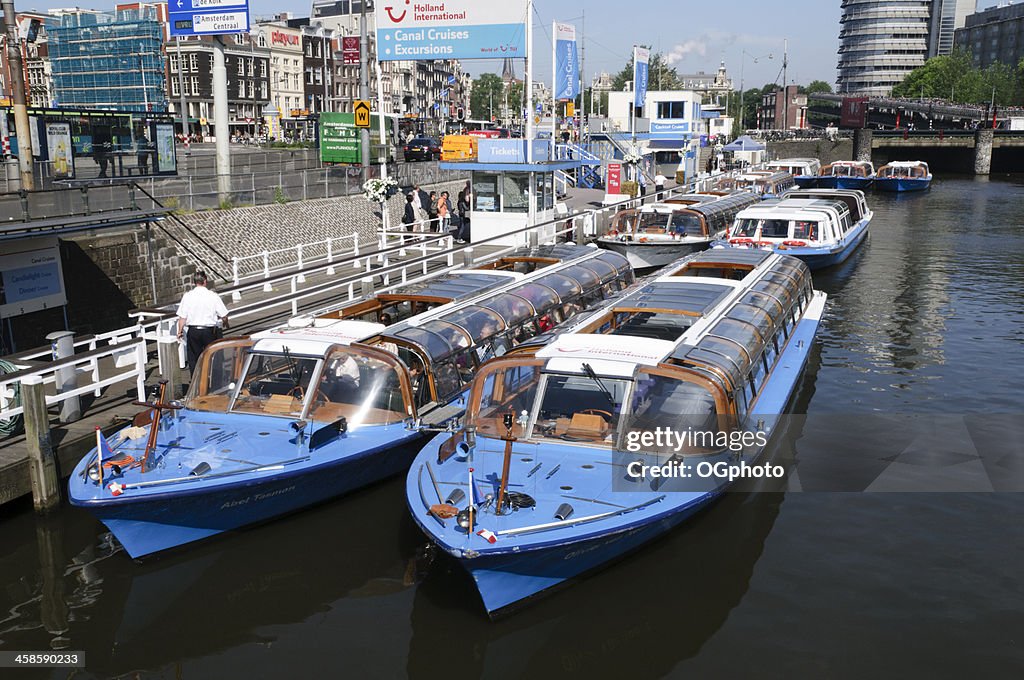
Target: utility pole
221,129
18,90
364,84
181,91
785,85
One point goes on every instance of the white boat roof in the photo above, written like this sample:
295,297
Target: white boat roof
906,164
606,354
314,339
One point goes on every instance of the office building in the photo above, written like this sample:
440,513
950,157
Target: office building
994,35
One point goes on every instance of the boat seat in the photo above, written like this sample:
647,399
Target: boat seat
588,425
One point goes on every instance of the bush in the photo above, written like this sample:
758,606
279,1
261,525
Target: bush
279,196
631,188
226,204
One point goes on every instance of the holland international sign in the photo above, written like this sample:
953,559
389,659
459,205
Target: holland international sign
457,29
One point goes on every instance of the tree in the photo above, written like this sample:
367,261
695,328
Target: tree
487,96
951,77
818,86
661,76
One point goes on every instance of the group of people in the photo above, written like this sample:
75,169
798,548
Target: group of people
436,213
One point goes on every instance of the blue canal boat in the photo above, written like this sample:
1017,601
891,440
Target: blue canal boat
902,176
822,227
327,404
805,171
847,175
547,480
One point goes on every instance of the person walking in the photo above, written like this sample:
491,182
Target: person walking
201,311
463,207
409,217
432,212
659,183
642,181
444,211
142,153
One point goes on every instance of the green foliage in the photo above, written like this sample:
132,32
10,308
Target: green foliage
955,78
661,76
818,86
631,188
226,204
488,90
279,196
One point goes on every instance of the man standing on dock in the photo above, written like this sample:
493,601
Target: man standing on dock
200,310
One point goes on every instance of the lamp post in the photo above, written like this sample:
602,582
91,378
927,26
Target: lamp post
742,63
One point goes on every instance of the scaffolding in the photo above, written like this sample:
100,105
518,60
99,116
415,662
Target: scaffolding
116,65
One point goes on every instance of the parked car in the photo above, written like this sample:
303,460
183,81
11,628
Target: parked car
422,149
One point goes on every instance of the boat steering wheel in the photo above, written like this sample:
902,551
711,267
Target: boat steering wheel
595,411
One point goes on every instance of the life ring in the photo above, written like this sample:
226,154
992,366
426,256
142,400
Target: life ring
741,241
795,244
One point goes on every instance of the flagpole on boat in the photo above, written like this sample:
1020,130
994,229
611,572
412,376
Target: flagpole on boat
99,454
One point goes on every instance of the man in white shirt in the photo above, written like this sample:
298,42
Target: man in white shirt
200,310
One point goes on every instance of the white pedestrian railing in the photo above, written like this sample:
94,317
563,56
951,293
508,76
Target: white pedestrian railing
293,257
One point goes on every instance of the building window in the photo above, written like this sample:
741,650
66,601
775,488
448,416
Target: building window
252,90
263,68
241,89
173,60
252,67
672,110
262,41
174,88
241,66
193,62
194,84
263,90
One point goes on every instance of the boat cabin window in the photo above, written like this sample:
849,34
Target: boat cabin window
686,224
653,222
217,375
509,387
275,384
578,408
690,408
363,390
806,230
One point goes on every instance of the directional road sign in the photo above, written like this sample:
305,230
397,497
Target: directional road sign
208,17
361,108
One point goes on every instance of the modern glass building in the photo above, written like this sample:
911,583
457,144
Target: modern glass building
108,61
881,41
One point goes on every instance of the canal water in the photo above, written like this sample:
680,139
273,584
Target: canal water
924,324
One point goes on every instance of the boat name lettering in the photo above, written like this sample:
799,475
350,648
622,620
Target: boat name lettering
257,497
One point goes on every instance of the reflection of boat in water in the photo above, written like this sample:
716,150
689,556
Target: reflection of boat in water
325,405
638,619
655,235
713,347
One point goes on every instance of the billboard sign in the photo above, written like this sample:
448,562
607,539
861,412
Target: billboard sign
510,150
207,17
567,67
854,112
30,277
350,49
59,152
455,29
614,178
339,138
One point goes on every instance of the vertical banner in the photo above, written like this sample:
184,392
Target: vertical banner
614,178
567,67
163,137
641,57
350,51
454,29
58,146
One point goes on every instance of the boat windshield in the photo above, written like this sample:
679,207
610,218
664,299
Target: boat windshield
686,224
594,409
653,222
768,228
275,384
216,376
364,390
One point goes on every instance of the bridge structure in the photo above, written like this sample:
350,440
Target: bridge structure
972,151
894,112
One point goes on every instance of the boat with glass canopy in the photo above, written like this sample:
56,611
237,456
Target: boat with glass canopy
804,170
658,234
328,403
556,470
846,175
903,176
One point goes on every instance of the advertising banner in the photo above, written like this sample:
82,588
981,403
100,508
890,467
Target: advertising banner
455,29
854,112
614,176
339,138
30,277
641,57
350,49
163,138
58,147
567,67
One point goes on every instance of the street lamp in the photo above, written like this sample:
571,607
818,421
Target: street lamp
742,63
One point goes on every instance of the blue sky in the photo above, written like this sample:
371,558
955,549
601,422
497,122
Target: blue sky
696,35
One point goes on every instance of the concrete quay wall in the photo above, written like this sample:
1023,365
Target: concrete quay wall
824,150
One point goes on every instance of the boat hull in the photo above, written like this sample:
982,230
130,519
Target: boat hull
156,522
807,181
852,183
653,254
902,184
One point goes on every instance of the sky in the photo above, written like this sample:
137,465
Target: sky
694,35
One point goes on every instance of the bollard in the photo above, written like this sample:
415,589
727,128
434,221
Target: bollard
534,239
42,466
367,287
62,345
467,257
167,356
581,237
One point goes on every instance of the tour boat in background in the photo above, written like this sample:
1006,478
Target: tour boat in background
804,170
541,484
327,403
903,176
655,235
822,227
846,175
766,184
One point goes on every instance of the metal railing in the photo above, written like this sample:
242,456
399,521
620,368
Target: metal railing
304,253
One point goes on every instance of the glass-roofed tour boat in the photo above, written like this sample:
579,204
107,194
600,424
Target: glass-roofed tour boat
328,403
552,474
657,234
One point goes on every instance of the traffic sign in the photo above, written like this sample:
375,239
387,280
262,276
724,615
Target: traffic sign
208,17
361,108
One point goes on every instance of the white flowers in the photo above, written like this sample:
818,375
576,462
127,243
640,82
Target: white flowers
377,190
632,156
